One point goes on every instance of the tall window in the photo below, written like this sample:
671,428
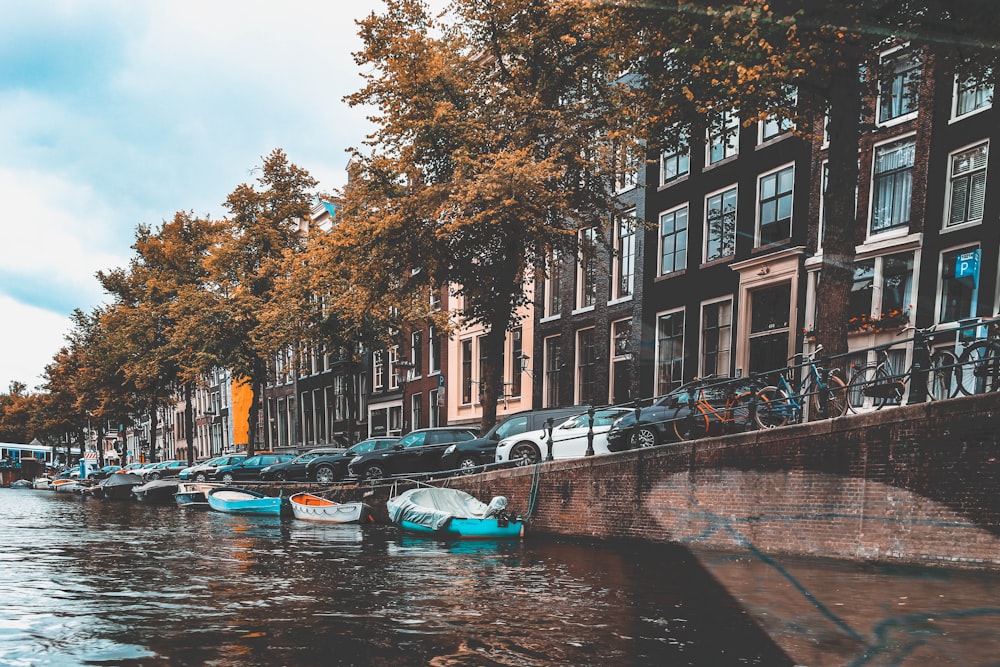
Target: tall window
769,327
898,85
626,167
416,411
587,272
416,353
967,185
675,162
882,293
394,367
433,352
467,371
553,350
774,126
553,286
893,186
340,397
433,408
959,284
774,205
585,362
723,137
720,224
716,337
673,240
378,370
623,268
515,362
970,96
669,351
482,367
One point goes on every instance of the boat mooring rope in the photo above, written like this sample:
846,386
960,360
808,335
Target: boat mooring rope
533,493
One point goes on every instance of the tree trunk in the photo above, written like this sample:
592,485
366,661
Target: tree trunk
491,387
100,444
837,269
154,423
254,417
188,422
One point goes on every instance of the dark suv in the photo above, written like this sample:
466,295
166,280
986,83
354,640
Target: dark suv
331,468
471,455
417,451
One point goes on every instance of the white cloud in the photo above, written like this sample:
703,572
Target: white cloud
29,339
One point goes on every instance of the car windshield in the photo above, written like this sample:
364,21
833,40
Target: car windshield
513,426
412,440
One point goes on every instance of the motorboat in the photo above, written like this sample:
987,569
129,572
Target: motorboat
117,486
452,513
65,485
311,507
41,483
233,500
192,494
156,491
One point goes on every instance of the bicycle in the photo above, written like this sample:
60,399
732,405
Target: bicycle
978,369
783,403
884,385
694,419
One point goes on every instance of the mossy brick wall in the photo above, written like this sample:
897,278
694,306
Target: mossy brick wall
917,484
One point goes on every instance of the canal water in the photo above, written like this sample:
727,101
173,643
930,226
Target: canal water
90,582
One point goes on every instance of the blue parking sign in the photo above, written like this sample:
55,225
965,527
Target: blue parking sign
967,264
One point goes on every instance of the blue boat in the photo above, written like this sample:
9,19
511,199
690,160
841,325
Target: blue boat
243,501
452,514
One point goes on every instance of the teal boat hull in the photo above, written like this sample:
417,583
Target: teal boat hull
469,528
253,503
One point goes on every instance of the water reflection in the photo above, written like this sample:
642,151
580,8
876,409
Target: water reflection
86,582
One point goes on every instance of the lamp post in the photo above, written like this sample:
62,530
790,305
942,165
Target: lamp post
405,367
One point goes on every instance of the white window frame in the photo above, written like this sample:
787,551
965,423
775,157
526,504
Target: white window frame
548,373
701,333
981,91
579,363
782,126
720,193
950,186
553,298
658,380
623,257
791,220
938,297
587,258
727,137
378,370
895,54
897,230
681,156
393,354
686,208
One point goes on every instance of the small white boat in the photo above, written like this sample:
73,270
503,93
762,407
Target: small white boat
65,485
315,508
192,494
41,483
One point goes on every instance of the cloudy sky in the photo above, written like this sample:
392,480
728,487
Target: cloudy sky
120,112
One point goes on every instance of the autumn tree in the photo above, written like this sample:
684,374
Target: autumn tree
495,142
264,224
61,411
803,61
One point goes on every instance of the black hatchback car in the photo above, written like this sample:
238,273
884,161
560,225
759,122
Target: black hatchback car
676,416
416,452
295,470
332,468
471,455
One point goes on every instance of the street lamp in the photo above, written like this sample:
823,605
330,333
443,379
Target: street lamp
404,368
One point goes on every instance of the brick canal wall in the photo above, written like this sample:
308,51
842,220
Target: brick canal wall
917,484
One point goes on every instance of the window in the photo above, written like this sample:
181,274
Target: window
775,125
553,286
675,162
482,366
340,397
515,362
669,351
898,85
959,284
435,298
723,137
587,270
393,367
720,224
433,352
434,408
553,350
466,372
774,206
623,259
585,363
626,167
416,353
673,240
416,411
621,356
967,185
882,293
970,96
769,330
378,370
716,337
893,186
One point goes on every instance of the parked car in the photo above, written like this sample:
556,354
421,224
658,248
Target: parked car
104,472
201,472
664,420
416,452
332,468
248,468
162,469
295,470
472,454
569,439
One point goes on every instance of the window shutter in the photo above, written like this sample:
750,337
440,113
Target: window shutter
959,197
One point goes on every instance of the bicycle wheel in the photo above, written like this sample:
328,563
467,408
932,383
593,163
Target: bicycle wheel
875,387
835,394
772,409
690,423
979,368
943,377
740,411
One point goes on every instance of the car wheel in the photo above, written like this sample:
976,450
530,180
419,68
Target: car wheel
524,454
468,465
201,477
374,472
154,476
644,437
325,475
281,476
228,478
